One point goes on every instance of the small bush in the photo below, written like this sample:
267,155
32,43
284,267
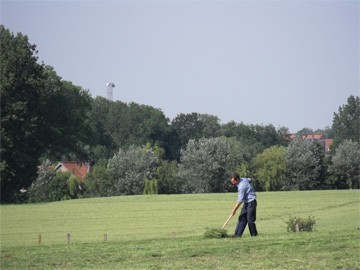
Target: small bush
215,233
295,224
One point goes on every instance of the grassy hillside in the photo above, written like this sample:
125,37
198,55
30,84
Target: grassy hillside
153,231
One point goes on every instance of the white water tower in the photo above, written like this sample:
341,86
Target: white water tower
109,90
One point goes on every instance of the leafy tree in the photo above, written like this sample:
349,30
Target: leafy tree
270,168
76,187
346,123
345,164
305,131
39,190
186,127
229,129
305,164
151,187
240,131
244,170
118,124
193,126
166,172
256,137
64,137
59,187
135,124
100,136
98,182
41,115
128,169
202,167
49,186
149,124
238,153
167,180
210,125
328,132
268,135
283,134
20,81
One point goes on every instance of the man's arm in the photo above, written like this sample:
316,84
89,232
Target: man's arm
236,207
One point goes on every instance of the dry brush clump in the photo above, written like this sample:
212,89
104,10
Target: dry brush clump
298,224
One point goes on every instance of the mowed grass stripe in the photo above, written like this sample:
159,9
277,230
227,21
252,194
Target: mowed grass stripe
167,216
87,220
318,250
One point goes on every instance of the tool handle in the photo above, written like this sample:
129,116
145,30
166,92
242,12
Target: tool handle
227,221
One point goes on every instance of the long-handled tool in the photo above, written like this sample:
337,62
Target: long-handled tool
227,220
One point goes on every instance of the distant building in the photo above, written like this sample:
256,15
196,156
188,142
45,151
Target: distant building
78,169
326,143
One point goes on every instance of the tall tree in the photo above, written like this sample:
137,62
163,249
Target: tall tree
270,168
305,131
264,135
101,141
63,110
345,164
327,132
346,123
20,80
42,116
187,126
193,126
150,124
98,182
305,164
203,165
129,168
166,175
135,124
238,153
210,125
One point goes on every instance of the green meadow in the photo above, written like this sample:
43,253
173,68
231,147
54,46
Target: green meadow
166,232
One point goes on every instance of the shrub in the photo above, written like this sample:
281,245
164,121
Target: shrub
59,187
49,186
75,187
298,224
40,188
98,182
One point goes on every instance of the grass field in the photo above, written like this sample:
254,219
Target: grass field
166,232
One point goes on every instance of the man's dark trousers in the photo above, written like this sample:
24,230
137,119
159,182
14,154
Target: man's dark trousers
247,216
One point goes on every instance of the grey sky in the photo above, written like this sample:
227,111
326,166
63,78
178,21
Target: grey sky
286,63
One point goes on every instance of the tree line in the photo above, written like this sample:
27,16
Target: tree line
136,149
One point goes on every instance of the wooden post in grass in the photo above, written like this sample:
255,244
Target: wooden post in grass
105,237
39,239
68,238
297,229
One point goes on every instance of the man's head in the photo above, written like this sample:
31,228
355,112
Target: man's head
235,179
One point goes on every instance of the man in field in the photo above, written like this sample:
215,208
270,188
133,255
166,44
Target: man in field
247,197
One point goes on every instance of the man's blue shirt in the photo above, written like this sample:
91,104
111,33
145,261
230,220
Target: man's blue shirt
246,192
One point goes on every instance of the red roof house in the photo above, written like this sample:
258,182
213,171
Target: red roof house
77,169
314,137
326,143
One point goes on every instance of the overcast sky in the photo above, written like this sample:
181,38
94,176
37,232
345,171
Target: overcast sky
286,63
